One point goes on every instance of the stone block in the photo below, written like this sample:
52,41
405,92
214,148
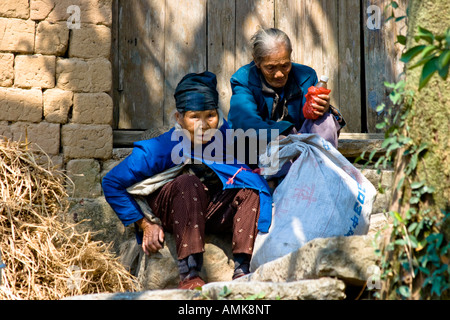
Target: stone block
5,131
383,183
100,218
79,75
87,141
314,289
166,294
319,289
17,35
92,108
160,271
42,136
7,69
91,11
57,104
34,71
15,9
20,105
52,38
85,175
90,41
345,258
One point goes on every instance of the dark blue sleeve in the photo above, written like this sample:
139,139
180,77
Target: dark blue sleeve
147,159
244,113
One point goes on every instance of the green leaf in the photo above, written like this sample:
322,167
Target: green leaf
394,4
411,53
404,291
400,85
443,73
395,97
381,107
444,58
412,226
427,72
414,200
401,39
398,217
390,17
400,242
423,61
428,50
427,189
372,154
424,34
389,84
417,185
444,63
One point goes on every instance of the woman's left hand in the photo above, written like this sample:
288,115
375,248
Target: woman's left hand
322,104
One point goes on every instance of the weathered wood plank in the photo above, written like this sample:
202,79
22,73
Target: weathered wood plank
141,64
330,49
313,29
350,64
250,15
221,47
125,138
185,46
381,55
287,18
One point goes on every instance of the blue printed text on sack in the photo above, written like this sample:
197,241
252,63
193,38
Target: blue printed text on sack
357,208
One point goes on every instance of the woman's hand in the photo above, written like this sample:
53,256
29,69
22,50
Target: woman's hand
153,238
322,104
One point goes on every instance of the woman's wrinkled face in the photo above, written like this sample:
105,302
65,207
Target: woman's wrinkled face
199,124
276,67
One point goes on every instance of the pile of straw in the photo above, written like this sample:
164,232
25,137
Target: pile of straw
46,258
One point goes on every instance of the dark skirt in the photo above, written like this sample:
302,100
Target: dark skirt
188,210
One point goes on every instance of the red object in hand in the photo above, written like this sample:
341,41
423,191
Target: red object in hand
308,109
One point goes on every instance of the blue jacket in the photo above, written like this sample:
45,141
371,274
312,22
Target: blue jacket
250,105
150,157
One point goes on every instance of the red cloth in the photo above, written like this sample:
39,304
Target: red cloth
308,109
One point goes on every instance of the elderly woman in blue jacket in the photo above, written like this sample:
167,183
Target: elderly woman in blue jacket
203,196
269,93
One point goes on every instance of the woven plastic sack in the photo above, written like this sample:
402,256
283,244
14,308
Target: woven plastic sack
308,109
323,195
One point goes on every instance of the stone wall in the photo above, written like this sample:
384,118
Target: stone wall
56,81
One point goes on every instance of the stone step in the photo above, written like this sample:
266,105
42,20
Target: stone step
352,145
315,289
323,269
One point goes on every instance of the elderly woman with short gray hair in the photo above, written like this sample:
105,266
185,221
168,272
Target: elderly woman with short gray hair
269,93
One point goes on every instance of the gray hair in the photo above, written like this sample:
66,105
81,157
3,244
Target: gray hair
266,41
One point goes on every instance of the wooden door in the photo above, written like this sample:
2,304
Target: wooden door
157,42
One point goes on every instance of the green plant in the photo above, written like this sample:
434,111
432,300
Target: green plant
415,259
434,56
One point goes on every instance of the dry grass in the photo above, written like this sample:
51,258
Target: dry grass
46,258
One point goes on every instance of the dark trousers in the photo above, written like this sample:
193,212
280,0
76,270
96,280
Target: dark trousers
187,210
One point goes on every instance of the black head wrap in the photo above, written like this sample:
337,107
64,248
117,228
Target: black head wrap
197,92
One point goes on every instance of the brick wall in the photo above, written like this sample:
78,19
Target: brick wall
55,83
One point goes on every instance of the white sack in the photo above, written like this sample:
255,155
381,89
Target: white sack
323,195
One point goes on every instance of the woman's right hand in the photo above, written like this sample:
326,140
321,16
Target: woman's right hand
153,238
